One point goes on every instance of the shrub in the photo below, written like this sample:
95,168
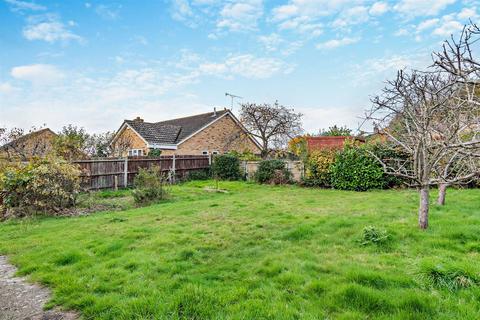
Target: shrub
355,169
372,235
155,153
149,186
273,172
245,155
40,186
388,153
226,167
318,166
203,174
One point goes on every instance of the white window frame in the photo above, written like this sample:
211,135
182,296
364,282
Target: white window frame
135,152
205,152
215,152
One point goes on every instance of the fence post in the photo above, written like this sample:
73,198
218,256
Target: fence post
173,168
209,159
125,172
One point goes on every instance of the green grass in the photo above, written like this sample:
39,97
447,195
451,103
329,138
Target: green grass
258,252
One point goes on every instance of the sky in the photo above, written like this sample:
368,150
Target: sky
95,63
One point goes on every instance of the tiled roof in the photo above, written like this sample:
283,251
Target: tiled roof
25,137
175,130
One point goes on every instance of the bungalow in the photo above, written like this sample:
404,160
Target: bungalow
207,133
34,144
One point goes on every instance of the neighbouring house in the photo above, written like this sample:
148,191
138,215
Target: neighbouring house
34,144
322,142
207,133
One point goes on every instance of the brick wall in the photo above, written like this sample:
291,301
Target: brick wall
295,167
135,141
224,135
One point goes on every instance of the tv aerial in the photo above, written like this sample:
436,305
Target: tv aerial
232,97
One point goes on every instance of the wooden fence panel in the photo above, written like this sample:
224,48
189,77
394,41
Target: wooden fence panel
101,173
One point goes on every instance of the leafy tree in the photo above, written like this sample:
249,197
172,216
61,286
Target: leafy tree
336,131
72,142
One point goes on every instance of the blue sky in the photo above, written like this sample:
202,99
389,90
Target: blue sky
95,63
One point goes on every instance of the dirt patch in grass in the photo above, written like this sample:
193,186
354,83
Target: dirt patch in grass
21,300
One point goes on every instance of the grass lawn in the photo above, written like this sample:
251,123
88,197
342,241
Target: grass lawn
258,252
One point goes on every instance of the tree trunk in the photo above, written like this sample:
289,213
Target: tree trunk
423,209
442,191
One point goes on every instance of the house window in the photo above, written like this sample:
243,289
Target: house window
135,152
215,152
205,152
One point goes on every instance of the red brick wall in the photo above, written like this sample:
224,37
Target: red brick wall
317,143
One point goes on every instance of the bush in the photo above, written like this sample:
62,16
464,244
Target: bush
355,169
40,186
203,174
272,172
245,155
149,186
226,167
388,153
153,153
318,166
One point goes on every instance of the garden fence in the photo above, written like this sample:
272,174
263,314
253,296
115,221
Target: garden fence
111,173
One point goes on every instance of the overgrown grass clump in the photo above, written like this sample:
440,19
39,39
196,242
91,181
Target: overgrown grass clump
257,252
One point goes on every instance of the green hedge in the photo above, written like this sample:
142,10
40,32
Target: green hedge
273,172
355,169
226,167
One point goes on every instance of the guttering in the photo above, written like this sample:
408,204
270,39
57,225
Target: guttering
162,146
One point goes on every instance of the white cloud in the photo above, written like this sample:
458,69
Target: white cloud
6,88
17,5
352,16
38,74
447,24
378,8
375,71
271,42
183,12
401,32
468,13
335,43
308,17
311,8
241,15
447,28
413,8
427,24
108,12
48,28
247,66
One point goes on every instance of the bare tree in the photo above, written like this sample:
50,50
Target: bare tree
98,144
271,124
419,113
457,59
120,146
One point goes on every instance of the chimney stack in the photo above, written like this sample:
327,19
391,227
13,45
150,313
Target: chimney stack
214,111
138,119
